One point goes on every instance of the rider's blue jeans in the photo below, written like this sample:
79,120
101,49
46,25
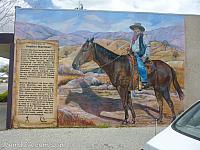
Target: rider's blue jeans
141,69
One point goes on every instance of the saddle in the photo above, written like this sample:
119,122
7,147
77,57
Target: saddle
135,78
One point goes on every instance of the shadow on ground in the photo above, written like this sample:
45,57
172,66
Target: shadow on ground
94,104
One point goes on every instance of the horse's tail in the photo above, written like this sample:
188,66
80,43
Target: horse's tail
176,85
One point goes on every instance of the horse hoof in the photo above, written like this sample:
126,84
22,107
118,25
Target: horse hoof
125,122
132,122
173,118
159,120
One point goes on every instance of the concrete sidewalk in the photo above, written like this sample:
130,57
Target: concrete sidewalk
76,138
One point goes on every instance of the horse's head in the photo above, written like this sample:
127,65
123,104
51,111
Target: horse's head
85,54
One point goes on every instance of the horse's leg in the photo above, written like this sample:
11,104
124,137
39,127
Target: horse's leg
125,105
167,97
123,94
160,103
130,105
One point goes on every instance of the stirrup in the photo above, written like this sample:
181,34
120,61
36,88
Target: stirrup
145,85
133,94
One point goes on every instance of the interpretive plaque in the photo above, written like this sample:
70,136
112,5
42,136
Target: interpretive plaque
35,88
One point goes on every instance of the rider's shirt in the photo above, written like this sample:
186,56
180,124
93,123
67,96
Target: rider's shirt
135,45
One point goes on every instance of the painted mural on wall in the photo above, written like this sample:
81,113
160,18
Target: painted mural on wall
115,68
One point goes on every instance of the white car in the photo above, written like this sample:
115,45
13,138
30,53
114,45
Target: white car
182,134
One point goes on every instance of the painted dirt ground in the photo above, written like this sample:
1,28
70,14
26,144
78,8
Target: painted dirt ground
90,100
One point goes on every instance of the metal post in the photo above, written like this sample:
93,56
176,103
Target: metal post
156,124
10,83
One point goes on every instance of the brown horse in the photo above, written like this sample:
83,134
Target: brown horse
119,70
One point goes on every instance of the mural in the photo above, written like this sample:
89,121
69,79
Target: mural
115,68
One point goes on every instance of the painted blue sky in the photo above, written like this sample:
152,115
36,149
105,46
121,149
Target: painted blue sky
41,3
68,21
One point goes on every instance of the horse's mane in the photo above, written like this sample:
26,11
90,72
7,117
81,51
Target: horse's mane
107,53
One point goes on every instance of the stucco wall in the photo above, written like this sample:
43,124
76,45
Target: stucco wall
192,61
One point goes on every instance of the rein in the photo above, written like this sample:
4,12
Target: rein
107,62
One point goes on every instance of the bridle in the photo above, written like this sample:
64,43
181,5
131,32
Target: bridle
94,46
107,62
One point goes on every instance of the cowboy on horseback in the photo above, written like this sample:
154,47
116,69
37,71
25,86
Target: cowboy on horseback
140,50
118,68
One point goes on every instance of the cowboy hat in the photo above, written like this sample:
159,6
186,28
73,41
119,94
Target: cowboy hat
137,25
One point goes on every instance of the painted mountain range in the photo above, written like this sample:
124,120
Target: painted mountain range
174,35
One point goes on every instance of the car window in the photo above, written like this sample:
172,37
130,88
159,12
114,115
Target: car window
189,123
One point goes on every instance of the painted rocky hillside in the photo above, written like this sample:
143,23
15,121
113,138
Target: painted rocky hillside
174,35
